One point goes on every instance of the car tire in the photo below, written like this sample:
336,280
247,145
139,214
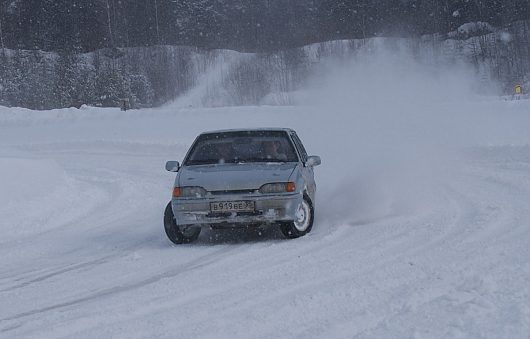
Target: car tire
303,224
174,232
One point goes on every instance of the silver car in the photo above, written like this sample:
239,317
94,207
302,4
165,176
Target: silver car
242,178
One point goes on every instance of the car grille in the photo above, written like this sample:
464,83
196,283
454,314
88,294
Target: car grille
228,192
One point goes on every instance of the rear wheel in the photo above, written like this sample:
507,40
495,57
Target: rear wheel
303,222
178,235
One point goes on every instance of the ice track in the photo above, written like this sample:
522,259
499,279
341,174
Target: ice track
455,263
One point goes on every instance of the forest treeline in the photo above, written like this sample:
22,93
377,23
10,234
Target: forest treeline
62,53
151,76
243,25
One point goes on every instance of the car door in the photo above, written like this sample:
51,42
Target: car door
307,171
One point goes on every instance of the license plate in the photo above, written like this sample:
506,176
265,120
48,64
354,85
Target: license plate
232,206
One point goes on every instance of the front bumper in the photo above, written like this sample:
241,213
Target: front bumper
270,208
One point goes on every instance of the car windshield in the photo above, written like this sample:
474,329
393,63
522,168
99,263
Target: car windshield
238,147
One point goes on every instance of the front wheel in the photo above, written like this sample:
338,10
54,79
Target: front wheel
176,234
303,222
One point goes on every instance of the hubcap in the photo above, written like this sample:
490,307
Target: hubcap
303,216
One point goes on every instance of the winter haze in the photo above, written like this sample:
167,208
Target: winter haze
422,213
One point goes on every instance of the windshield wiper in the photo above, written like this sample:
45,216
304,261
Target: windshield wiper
260,160
202,162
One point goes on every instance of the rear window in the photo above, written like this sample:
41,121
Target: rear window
238,147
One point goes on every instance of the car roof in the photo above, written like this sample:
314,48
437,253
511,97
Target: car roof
268,129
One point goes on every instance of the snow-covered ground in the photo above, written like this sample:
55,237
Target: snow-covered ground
422,226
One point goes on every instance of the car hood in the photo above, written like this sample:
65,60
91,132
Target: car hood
245,176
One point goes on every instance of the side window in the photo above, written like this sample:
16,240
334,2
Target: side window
300,147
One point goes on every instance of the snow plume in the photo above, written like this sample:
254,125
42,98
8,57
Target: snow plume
210,89
406,125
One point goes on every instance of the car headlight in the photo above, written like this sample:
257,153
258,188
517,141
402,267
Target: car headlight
278,187
189,192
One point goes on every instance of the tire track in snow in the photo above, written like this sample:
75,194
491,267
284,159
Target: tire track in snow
478,233
114,182
194,264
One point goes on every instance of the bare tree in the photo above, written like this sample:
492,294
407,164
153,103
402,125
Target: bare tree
109,24
1,33
157,27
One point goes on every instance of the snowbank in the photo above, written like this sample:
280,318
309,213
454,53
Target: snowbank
36,195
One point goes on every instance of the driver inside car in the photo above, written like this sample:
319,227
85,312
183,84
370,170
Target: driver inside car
272,150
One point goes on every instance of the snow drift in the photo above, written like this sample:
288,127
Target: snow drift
421,226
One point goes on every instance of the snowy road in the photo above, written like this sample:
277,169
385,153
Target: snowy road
427,247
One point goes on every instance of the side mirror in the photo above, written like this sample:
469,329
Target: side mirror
172,166
313,160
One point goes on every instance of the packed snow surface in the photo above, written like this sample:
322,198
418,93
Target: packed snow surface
422,225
